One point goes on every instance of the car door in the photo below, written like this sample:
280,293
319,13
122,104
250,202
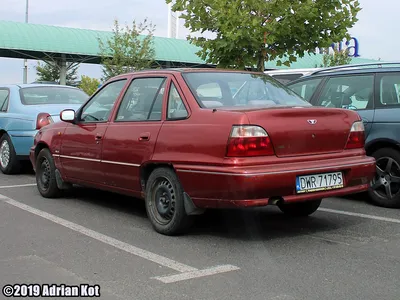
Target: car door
131,137
355,91
4,100
387,101
80,151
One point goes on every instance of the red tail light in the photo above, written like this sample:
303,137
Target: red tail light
249,141
357,136
42,120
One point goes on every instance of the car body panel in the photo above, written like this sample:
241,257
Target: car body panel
195,147
382,124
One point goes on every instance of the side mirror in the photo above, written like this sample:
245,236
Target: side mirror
67,115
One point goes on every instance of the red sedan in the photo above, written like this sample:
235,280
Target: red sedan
190,139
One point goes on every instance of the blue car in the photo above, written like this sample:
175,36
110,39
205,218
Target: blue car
24,109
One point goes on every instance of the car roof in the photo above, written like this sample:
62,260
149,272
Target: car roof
351,69
186,70
26,85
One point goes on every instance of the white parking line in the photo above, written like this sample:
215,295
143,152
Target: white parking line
348,213
187,272
197,274
16,185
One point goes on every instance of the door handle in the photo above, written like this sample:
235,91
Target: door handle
98,136
144,136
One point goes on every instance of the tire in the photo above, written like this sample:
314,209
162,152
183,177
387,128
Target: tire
9,163
165,203
384,189
46,176
300,209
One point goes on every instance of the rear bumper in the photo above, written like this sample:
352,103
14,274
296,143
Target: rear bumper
224,187
32,158
22,141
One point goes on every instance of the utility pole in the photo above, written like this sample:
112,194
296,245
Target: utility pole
25,60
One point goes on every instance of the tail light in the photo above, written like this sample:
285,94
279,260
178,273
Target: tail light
357,136
42,120
247,141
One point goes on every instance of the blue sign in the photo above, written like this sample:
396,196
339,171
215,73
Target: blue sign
352,45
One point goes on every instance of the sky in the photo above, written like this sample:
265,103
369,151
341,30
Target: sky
376,30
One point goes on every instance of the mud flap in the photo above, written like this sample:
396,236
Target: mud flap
190,208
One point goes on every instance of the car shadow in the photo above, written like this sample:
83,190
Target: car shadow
266,223
240,224
105,199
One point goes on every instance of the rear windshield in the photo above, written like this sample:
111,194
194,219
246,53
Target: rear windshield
230,89
52,95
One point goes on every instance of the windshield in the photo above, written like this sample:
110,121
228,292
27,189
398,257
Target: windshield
230,89
52,95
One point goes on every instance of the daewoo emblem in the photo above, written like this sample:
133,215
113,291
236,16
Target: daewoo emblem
312,122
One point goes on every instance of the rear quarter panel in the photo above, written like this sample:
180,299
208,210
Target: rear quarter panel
199,140
386,127
19,123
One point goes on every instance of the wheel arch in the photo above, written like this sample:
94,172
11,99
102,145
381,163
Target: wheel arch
39,147
2,132
147,168
377,144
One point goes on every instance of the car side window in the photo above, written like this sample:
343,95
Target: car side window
389,87
143,100
4,96
351,92
176,108
100,106
306,89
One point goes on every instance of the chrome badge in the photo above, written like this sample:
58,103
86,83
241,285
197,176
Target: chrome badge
312,122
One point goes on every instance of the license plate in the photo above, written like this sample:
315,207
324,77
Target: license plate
319,182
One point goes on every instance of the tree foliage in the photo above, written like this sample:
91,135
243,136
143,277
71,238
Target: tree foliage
50,71
89,85
337,58
128,50
250,32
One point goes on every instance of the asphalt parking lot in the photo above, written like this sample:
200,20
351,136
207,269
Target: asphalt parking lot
347,250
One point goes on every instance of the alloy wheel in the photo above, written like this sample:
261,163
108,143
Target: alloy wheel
4,154
386,183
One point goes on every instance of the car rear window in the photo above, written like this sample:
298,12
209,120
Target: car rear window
232,89
52,95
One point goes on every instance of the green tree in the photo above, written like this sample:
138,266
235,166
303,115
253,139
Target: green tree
50,71
248,33
128,50
337,58
89,85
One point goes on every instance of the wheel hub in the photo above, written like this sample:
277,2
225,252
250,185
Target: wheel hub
387,182
4,154
163,201
44,174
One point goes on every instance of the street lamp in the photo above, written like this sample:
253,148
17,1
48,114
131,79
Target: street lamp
25,60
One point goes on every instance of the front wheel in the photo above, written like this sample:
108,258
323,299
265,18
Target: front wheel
165,203
46,175
385,187
300,209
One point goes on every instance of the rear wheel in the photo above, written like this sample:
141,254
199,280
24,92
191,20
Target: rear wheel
45,175
165,203
9,163
385,187
300,209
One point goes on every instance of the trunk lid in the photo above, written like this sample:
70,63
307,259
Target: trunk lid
305,130
53,109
